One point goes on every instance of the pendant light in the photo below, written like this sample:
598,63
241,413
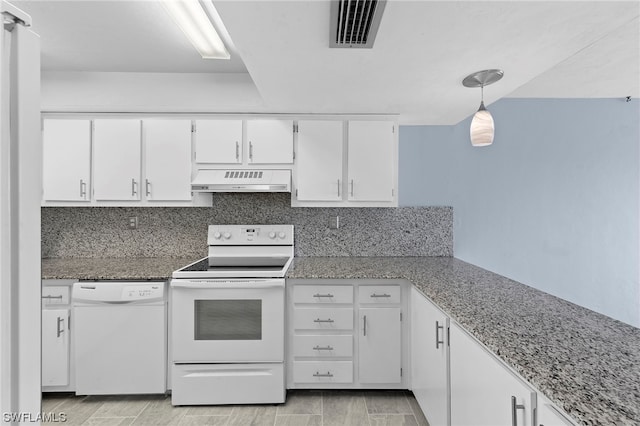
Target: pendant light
482,129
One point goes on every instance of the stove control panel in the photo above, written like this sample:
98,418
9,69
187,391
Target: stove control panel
240,235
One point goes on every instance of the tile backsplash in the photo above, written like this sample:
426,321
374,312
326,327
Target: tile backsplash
182,231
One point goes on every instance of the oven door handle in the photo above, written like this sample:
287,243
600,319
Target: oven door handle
228,284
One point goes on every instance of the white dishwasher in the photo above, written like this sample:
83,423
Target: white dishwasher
119,330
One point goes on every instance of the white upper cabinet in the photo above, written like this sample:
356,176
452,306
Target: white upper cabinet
319,161
270,141
371,161
218,141
117,146
66,157
167,160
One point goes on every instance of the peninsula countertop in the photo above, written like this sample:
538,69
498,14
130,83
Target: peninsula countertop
586,363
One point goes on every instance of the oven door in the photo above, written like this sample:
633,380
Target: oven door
227,321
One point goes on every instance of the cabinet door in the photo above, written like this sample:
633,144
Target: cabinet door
66,160
319,161
380,352
429,355
219,141
117,159
270,141
55,347
371,157
483,390
167,160
548,415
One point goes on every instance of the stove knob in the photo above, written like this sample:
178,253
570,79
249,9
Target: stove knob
272,235
281,235
227,235
217,235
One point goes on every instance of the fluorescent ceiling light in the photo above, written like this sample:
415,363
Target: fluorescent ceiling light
196,25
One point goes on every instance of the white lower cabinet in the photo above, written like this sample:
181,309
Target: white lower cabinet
323,371
483,391
549,415
55,347
430,359
458,382
336,343
379,343
57,354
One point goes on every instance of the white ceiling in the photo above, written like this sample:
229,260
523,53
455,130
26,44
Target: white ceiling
422,51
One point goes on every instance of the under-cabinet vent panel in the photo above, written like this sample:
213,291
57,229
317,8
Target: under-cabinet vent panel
354,23
243,174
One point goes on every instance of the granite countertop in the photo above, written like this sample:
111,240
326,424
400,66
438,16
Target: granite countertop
586,363
112,268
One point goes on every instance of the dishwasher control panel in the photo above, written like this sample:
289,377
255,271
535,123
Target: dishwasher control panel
142,292
117,292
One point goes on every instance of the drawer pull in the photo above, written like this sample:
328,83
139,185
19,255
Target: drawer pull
323,295
321,348
52,297
318,320
327,374
380,295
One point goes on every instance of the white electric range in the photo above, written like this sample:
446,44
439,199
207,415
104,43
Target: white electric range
227,318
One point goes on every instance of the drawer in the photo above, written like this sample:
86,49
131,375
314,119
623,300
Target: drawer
368,294
323,294
323,372
55,295
323,346
323,318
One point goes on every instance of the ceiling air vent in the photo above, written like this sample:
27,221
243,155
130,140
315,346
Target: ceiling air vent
354,23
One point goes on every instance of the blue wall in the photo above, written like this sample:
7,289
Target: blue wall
553,203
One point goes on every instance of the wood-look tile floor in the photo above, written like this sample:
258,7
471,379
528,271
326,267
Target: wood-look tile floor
303,408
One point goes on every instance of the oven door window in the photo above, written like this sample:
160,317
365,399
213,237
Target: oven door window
228,319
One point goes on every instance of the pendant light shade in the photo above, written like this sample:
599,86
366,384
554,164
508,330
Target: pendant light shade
482,128
481,131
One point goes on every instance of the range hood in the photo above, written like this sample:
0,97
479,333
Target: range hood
208,180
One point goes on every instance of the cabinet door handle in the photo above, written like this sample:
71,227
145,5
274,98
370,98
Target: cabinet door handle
339,188
83,189
380,295
48,296
237,151
514,411
147,187
318,374
250,151
59,330
323,295
365,325
323,348
318,320
438,341
352,187
134,187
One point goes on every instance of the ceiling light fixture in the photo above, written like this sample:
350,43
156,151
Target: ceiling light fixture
482,129
196,25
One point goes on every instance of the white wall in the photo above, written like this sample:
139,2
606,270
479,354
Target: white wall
148,92
553,203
